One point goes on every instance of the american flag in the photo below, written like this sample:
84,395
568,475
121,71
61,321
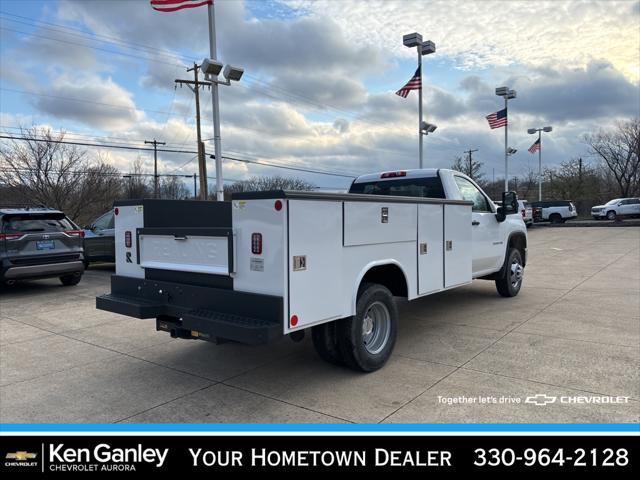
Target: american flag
497,119
414,84
173,5
535,147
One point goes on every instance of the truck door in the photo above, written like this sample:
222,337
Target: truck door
430,248
488,248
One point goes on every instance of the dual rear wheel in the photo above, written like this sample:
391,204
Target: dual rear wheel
365,341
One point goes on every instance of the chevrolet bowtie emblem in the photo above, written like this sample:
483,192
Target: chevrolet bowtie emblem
21,456
540,399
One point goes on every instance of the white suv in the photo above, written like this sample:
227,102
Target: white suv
618,207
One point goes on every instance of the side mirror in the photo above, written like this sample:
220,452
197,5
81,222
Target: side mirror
88,227
509,206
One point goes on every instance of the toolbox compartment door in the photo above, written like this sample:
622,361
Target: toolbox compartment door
196,250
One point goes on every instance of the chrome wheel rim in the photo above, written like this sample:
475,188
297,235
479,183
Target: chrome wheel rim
516,273
376,327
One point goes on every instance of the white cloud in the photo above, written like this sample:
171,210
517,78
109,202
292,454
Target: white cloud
484,34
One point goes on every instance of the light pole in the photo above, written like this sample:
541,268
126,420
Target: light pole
424,48
508,95
539,131
211,68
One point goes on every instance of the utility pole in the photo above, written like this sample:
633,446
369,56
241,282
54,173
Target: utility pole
195,185
470,161
155,164
202,163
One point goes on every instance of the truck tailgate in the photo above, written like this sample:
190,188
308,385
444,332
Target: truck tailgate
197,250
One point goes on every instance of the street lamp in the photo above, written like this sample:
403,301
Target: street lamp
508,95
412,40
511,151
211,69
427,128
539,131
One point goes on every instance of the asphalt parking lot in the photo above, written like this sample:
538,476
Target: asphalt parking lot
572,335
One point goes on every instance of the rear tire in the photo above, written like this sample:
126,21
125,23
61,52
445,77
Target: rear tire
366,340
510,281
70,280
326,343
555,218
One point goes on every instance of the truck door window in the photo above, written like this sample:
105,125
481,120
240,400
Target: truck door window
471,193
104,222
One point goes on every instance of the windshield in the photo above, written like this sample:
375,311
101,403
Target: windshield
611,202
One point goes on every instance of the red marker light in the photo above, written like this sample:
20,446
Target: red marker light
278,205
294,320
256,243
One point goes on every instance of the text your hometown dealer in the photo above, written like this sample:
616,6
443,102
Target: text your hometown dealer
103,453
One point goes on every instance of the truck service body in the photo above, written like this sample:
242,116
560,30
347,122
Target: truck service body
269,264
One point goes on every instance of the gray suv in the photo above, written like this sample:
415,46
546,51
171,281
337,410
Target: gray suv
38,242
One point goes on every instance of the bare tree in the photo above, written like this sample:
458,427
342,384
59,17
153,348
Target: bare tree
137,184
255,184
173,188
619,150
41,169
473,170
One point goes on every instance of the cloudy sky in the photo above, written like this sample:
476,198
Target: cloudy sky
320,77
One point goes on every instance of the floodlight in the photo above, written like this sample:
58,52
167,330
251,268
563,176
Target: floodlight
233,73
547,129
502,91
412,39
511,151
428,47
211,67
531,131
511,94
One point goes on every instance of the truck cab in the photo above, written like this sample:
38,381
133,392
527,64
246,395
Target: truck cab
489,235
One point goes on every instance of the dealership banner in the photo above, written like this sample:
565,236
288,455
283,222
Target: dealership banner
204,455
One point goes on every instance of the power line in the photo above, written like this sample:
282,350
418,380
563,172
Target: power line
113,52
111,105
125,147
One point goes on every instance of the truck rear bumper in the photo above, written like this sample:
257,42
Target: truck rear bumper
190,311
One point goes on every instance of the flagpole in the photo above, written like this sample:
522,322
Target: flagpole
215,106
506,143
539,165
420,106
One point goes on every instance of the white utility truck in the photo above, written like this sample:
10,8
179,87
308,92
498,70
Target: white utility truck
276,263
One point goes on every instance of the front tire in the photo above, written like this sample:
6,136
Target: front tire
326,343
510,281
611,215
366,340
70,280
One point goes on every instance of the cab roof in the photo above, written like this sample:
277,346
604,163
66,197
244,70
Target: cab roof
395,174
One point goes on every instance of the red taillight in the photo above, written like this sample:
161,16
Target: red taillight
116,210
10,235
127,239
399,173
294,320
256,243
278,205
524,213
75,233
